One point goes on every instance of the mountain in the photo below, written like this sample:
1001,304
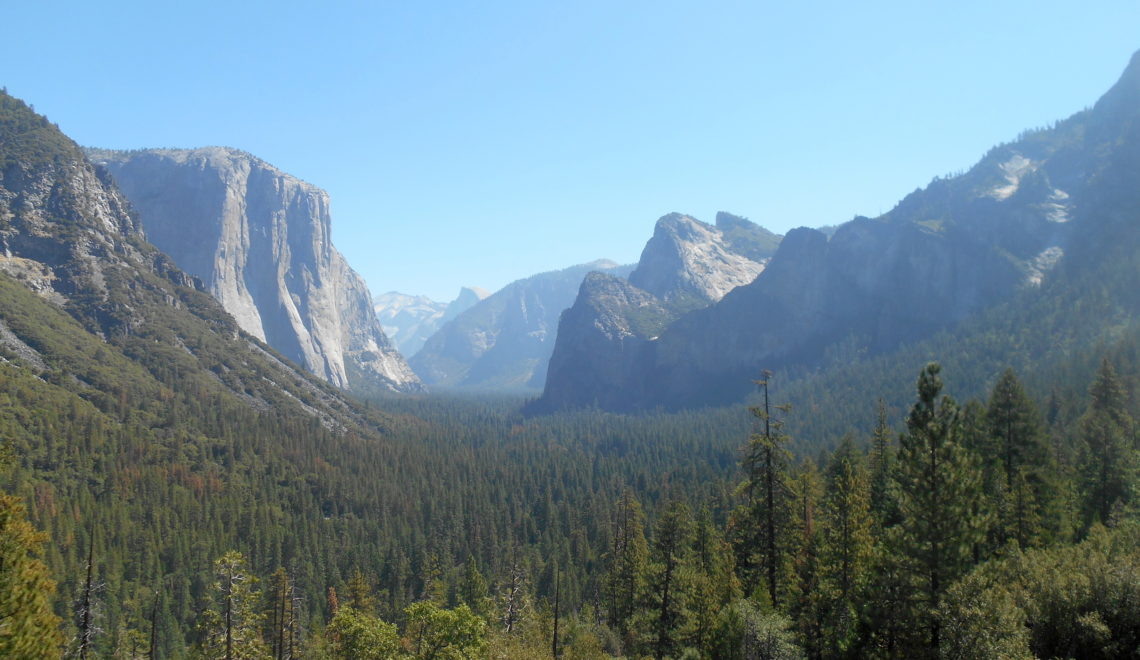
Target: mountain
612,326
504,341
92,308
410,320
260,241
689,264
1046,202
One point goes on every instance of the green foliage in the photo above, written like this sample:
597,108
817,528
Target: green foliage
435,632
666,614
939,501
28,627
358,635
1079,601
625,562
229,625
847,546
30,140
760,524
745,632
1107,455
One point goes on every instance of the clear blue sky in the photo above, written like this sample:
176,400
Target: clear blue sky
474,143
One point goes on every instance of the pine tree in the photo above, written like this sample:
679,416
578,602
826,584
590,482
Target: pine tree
713,582
1015,427
473,589
665,599
882,464
806,603
761,525
359,593
625,562
1107,459
847,546
230,626
28,627
939,500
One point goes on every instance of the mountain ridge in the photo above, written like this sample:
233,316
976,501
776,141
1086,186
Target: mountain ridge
943,254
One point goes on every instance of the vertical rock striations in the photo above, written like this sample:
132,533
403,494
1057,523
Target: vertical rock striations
260,241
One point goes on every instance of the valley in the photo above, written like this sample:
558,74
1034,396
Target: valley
911,435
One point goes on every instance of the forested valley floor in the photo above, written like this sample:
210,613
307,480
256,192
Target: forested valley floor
1000,526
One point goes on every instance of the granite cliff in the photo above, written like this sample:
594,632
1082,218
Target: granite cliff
611,329
1056,200
259,240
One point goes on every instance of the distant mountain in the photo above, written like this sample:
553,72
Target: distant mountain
261,242
1053,199
504,341
410,320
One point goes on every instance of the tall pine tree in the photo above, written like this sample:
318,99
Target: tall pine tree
1107,455
939,500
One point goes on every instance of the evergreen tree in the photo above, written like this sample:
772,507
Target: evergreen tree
848,544
28,627
939,491
882,465
762,524
806,603
1107,457
473,590
625,562
1015,427
359,593
713,582
665,598
1014,422
230,626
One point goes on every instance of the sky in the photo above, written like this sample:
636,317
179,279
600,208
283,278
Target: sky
476,143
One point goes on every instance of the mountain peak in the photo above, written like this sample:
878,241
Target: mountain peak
1123,99
726,220
691,262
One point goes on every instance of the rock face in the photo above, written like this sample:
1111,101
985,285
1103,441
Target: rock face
104,315
690,263
259,240
1052,199
410,320
504,342
606,333
611,331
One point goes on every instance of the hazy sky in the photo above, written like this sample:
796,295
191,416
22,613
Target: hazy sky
474,143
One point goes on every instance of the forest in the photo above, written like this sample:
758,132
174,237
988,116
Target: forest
1001,526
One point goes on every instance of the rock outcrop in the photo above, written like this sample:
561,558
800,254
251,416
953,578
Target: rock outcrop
610,333
260,241
691,264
